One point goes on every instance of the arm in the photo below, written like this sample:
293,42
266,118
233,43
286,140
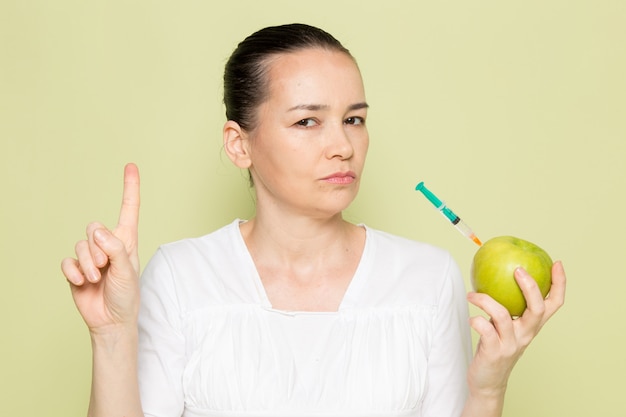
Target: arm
114,386
503,341
104,282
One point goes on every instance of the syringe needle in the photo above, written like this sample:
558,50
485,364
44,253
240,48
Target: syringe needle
449,214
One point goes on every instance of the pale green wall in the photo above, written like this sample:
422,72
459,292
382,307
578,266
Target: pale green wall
514,112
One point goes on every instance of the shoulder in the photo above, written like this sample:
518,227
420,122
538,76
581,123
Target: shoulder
400,248
404,271
220,240
191,259
205,270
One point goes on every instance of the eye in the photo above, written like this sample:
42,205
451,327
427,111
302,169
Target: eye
306,122
355,120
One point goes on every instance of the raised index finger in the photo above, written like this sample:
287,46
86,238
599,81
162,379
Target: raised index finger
129,213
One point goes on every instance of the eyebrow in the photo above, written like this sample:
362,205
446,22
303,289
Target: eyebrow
358,106
317,107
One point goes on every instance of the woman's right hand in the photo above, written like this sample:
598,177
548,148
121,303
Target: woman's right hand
104,276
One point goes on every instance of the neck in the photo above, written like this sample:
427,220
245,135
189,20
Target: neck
304,263
291,239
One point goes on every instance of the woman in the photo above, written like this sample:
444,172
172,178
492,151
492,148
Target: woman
294,312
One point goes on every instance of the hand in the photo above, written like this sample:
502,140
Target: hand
104,275
503,339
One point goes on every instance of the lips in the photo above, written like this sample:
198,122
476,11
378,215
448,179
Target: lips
347,177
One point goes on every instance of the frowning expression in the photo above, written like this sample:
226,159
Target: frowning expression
308,150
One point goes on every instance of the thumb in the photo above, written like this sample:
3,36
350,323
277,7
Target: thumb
119,259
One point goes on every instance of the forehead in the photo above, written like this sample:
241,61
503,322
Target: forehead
314,74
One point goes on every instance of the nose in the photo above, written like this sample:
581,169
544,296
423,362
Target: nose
339,143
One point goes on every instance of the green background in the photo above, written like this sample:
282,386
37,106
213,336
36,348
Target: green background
513,112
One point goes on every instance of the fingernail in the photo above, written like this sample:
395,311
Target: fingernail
94,276
521,272
77,280
98,235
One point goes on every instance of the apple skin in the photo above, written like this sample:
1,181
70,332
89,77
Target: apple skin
494,264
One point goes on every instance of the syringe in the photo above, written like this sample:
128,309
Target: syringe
449,214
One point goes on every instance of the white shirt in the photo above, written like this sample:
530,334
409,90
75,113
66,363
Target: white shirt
210,343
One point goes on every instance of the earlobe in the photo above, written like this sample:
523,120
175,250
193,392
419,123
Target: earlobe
236,144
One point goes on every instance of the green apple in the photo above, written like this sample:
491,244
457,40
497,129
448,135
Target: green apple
494,265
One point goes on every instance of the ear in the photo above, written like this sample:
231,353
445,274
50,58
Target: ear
236,144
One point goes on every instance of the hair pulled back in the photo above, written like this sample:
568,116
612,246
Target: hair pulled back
245,75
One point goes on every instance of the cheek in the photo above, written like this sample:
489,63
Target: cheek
272,159
262,149
363,146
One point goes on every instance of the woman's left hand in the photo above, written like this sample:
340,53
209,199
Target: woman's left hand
503,339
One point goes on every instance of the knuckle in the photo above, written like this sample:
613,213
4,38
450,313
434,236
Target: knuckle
501,315
93,226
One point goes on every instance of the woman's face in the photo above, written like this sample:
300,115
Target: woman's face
308,149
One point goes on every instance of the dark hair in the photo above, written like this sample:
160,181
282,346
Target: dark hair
245,82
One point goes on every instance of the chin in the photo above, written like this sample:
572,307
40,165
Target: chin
333,208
